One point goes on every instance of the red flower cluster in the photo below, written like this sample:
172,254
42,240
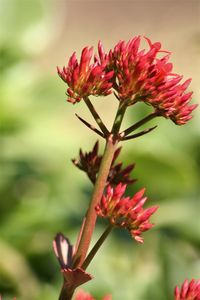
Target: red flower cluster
126,212
84,78
81,295
189,291
135,75
89,162
142,76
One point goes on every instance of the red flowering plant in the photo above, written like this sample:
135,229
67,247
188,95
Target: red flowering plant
132,75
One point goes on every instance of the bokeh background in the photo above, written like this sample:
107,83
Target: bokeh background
41,193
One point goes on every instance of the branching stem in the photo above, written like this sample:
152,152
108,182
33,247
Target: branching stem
90,218
138,124
96,116
96,196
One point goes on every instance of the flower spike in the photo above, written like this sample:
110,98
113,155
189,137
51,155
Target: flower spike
132,75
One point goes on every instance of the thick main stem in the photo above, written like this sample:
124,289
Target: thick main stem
91,217
65,294
96,196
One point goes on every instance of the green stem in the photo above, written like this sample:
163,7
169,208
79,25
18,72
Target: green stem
138,124
133,136
96,247
96,197
118,118
96,116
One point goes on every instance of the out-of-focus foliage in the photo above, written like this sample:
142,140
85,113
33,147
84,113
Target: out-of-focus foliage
41,192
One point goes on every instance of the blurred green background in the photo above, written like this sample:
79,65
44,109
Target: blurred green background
41,193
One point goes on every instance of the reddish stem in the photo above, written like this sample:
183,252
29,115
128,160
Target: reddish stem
96,197
91,216
65,293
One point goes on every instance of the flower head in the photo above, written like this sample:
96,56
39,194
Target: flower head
189,290
126,212
86,78
135,74
89,162
145,76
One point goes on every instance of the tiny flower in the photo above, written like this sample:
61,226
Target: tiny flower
143,76
89,162
189,290
126,212
64,251
86,78
81,295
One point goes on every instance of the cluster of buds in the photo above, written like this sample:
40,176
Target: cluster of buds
189,290
133,75
86,78
126,212
90,162
132,69
142,76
